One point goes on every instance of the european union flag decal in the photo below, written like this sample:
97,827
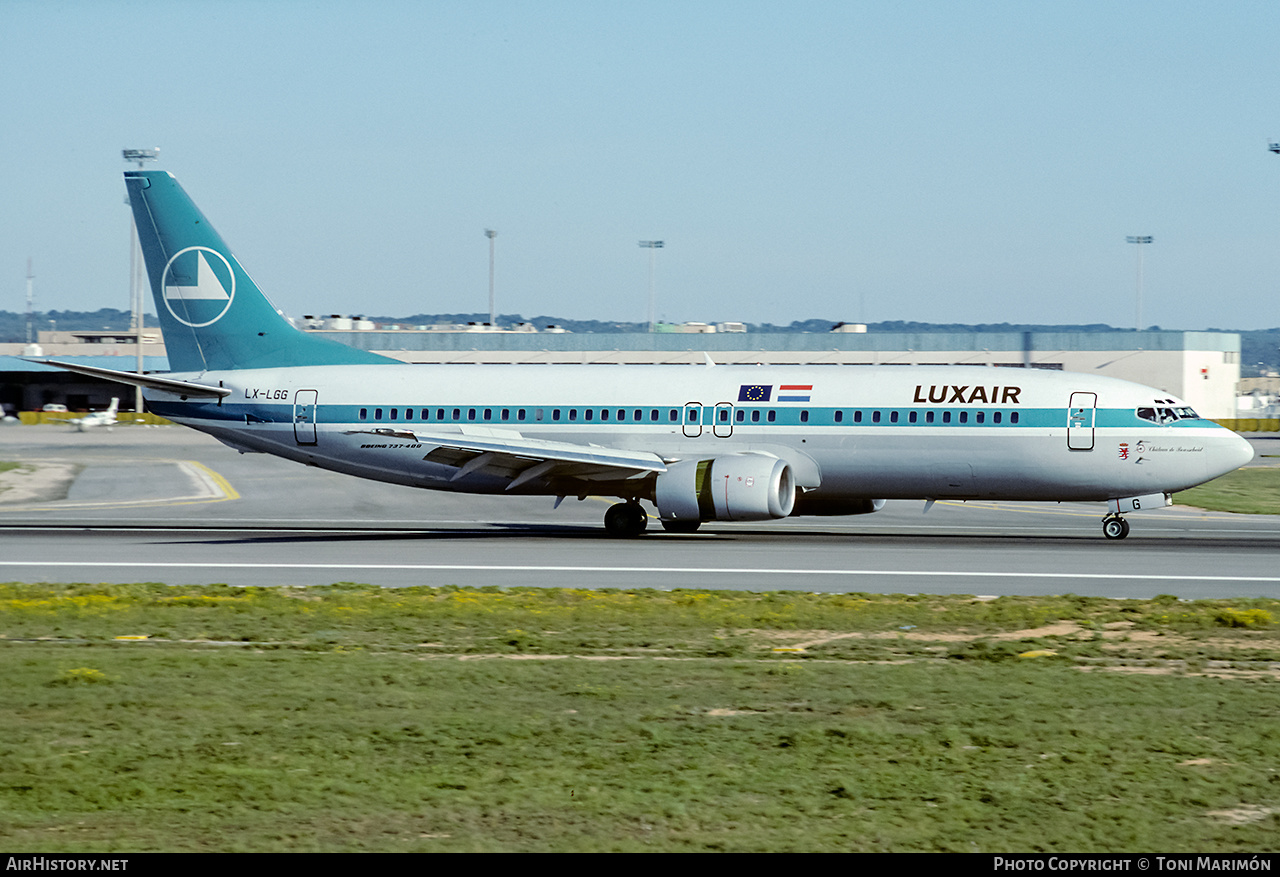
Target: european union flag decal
754,392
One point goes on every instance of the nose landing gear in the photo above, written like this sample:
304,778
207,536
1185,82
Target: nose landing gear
1115,527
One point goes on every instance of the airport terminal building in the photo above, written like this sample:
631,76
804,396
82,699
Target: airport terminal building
1201,367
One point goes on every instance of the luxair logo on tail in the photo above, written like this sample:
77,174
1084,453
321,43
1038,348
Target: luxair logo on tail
199,286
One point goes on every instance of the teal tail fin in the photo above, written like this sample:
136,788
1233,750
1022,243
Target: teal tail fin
212,314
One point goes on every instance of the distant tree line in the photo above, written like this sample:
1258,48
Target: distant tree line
13,326
1259,348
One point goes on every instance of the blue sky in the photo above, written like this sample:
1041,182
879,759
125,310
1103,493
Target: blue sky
937,161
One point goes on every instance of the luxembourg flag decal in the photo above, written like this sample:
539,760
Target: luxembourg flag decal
794,392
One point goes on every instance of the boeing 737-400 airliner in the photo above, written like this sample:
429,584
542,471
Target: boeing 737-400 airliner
700,443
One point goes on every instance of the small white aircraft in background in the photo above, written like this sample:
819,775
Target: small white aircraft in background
105,418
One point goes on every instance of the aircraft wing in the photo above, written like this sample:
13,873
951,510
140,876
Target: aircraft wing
509,454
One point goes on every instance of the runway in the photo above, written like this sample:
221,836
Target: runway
168,504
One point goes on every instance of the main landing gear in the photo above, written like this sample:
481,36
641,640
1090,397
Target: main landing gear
1115,527
625,520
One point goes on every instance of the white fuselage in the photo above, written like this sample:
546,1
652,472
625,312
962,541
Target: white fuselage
883,432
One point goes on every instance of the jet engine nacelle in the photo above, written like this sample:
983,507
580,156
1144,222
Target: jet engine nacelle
736,487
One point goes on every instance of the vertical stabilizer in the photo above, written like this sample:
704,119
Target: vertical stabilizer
212,314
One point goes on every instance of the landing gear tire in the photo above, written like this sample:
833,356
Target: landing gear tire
1115,528
681,526
625,520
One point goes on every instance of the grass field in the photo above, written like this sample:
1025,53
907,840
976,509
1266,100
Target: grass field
356,718
1254,491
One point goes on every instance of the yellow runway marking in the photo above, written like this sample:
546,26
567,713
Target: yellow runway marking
222,484
218,489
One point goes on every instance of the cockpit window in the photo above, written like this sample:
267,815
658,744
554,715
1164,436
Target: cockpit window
1164,416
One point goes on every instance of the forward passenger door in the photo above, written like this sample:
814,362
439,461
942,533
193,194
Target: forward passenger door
1081,417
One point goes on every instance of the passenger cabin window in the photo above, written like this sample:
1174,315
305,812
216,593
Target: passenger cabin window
875,416
912,416
755,416
377,414
893,417
740,416
773,415
839,417
804,416
364,413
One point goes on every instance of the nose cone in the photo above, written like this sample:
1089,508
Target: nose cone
1228,454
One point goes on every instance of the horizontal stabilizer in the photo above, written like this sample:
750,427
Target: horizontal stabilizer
150,382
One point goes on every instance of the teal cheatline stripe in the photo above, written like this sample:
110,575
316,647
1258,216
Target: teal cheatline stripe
381,414
212,314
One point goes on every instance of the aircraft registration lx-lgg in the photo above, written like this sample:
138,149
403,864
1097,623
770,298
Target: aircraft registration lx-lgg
701,443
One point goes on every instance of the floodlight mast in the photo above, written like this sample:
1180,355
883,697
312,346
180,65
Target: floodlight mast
651,246
141,157
1139,239
493,317
30,299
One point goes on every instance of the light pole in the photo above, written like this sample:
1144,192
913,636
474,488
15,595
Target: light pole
1139,239
141,156
30,300
651,246
493,317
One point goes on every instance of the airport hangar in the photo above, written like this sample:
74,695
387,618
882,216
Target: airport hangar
1202,368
